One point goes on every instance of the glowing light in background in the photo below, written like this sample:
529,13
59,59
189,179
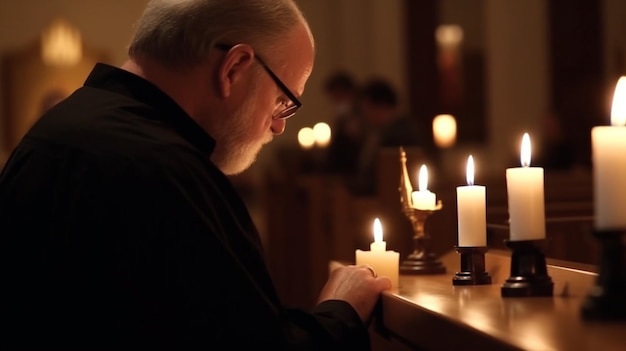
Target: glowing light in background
306,138
322,134
61,44
449,35
444,130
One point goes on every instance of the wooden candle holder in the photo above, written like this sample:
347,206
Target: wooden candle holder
472,267
529,274
607,298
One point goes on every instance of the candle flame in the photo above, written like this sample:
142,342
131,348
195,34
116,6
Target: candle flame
378,231
525,154
422,183
469,173
618,110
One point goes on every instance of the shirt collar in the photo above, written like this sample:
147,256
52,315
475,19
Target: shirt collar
120,81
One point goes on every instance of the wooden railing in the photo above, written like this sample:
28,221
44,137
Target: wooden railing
429,313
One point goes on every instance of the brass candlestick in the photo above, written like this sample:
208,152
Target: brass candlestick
419,261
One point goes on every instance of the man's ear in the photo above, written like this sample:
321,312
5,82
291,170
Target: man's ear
234,65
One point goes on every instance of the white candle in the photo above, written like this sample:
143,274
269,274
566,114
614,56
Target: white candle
471,211
609,165
525,198
385,263
423,199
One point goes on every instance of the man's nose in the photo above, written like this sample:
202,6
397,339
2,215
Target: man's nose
278,126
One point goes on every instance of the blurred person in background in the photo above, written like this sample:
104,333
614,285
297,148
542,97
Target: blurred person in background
385,126
347,126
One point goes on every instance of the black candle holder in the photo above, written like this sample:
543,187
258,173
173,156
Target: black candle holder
529,274
607,298
472,267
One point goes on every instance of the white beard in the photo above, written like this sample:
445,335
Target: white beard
236,149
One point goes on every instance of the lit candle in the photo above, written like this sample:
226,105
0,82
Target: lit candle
444,130
423,199
525,197
609,165
306,138
322,134
385,263
471,211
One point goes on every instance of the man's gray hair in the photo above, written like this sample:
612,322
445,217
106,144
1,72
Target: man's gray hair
181,32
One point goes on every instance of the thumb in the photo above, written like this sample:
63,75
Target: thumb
383,283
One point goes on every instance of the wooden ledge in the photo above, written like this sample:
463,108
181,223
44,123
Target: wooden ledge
429,313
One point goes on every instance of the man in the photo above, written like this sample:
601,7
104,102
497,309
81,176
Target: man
120,227
342,153
386,127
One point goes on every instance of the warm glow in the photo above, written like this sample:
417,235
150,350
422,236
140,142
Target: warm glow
444,130
525,154
422,183
61,44
378,231
469,173
322,134
449,35
306,137
618,110
433,302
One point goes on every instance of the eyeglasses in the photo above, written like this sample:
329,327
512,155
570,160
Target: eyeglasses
295,105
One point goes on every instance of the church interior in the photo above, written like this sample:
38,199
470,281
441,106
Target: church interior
471,78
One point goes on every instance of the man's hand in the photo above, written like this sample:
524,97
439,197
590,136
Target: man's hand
356,285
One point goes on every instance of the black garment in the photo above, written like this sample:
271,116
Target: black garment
118,232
